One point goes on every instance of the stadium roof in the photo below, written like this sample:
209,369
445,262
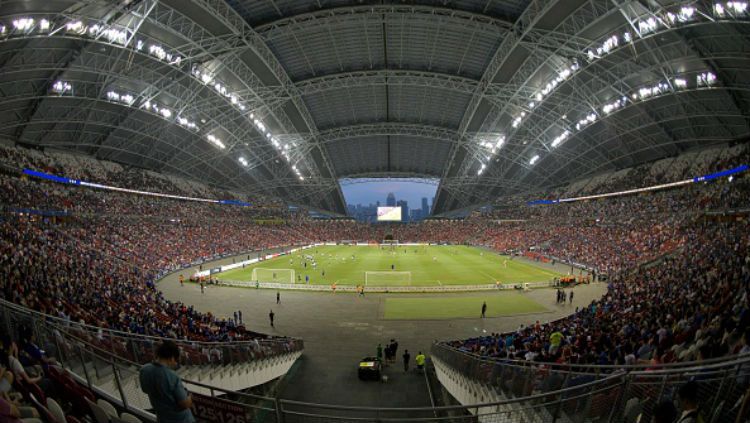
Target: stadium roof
285,97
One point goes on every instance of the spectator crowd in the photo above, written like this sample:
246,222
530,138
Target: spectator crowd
96,261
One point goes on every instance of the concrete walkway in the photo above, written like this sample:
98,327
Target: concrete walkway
339,329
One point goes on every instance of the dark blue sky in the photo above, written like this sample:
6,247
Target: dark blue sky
371,191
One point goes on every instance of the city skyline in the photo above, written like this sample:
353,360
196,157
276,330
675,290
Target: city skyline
362,197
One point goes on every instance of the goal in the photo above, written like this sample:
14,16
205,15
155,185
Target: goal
383,278
262,274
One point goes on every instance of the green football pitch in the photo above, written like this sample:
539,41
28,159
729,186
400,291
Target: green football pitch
419,307
371,266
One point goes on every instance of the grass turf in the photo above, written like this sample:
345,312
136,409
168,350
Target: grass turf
429,308
429,266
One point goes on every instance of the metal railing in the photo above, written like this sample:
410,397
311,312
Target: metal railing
524,392
722,383
141,348
531,392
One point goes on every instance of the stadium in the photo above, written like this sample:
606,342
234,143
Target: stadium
178,242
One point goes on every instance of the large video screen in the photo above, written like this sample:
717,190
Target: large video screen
389,214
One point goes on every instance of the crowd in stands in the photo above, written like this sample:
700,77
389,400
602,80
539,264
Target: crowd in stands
694,305
99,262
109,173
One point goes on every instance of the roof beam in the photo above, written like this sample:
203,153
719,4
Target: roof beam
348,14
389,129
221,11
390,77
607,76
512,41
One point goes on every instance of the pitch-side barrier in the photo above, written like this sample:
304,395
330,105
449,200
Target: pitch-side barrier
386,289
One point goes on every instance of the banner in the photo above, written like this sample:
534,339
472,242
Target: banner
214,410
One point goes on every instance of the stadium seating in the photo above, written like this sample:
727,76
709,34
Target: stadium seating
677,287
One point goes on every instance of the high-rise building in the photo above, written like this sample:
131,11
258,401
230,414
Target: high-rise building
404,209
425,207
390,201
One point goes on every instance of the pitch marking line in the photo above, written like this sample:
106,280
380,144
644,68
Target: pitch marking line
488,275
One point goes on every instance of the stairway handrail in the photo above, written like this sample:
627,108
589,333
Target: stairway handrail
122,334
650,369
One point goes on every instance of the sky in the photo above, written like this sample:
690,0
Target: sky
371,191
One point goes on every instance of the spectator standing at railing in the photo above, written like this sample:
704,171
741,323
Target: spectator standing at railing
169,398
688,395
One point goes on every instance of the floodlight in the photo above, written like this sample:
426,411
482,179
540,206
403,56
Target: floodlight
706,79
61,87
215,141
686,13
23,24
76,26
560,138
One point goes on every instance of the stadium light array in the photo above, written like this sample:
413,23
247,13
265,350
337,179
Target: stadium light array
706,79
119,35
75,27
591,117
120,98
115,36
730,8
23,24
560,138
215,141
154,107
615,105
187,123
703,80
481,169
650,25
243,161
62,87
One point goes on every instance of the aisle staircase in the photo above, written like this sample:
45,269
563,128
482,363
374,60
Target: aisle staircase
496,405
126,387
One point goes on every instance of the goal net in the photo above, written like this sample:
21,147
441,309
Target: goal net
261,274
383,278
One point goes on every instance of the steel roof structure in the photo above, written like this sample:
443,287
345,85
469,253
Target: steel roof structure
286,97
